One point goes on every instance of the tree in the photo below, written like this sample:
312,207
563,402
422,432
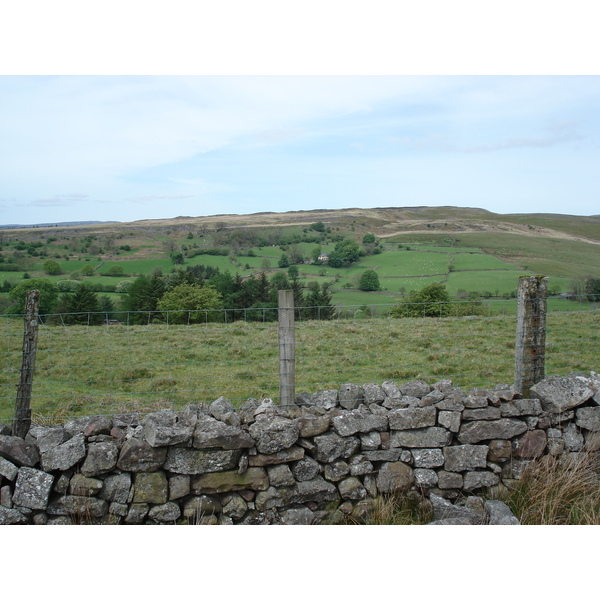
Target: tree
87,270
344,254
431,301
319,302
318,226
51,267
368,238
48,295
284,261
177,257
116,271
186,303
369,281
83,307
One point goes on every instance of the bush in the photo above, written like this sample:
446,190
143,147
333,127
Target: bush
51,267
369,281
68,285
431,301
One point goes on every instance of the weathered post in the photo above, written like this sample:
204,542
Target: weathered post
22,420
530,347
287,348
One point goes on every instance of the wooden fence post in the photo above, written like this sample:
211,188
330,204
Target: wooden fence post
530,347
22,420
287,348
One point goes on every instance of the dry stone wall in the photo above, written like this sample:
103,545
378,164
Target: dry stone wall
319,461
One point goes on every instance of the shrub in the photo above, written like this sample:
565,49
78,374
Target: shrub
68,285
51,267
369,281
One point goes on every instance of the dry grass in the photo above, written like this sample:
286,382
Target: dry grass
559,490
397,509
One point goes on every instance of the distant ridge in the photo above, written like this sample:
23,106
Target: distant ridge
59,224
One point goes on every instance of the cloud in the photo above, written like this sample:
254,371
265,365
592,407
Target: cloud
154,198
58,200
524,142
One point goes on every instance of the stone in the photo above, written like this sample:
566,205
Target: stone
430,437
168,428
6,497
559,394
138,456
336,470
12,516
179,486
427,458
151,488
165,513
327,399
475,401
444,509
299,516
330,446
391,390
451,420
284,456
573,438
314,490
81,508
412,418
472,433
465,457
246,411
588,418
116,488
201,506
50,437
373,393
359,465
449,481
8,470
350,395
255,478
352,489
358,421
417,388
98,426
453,521
477,479
18,451
101,458
426,478
312,425
370,441
280,475
270,498
305,469
64,456
394,477
223,410
236,507
136,514
500,450
32,488
531,445
481,414
499,513
273,434
450,404
212,433
80,485
391,455
188,461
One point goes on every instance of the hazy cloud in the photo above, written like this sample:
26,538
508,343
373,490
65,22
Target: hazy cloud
59,200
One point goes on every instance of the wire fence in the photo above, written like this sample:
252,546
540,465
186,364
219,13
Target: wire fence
191,357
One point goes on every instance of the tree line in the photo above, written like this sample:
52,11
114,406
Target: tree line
194,294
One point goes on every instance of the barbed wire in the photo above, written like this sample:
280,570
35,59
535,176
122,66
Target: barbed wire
117,366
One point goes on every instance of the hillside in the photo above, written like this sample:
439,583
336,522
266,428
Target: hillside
471,250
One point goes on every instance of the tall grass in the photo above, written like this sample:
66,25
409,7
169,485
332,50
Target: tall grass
559,490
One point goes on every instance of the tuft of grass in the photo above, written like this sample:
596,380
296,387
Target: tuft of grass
397,509
559,490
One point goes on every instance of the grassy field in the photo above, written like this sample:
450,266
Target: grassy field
118,368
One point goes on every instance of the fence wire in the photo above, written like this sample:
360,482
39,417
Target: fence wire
196,357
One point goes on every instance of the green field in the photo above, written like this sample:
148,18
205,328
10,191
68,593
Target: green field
116,368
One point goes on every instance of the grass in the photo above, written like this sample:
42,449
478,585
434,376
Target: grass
557,490
117,368
396,509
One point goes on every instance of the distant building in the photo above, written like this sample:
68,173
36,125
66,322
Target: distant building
323,257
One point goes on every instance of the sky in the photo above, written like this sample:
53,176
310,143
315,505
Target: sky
107,145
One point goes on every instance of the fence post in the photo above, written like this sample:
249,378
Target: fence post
530,346
22,420
287,348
